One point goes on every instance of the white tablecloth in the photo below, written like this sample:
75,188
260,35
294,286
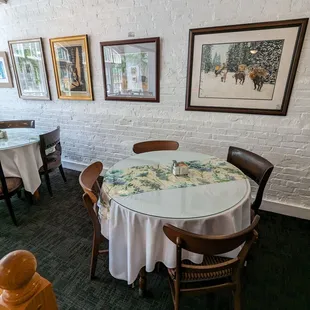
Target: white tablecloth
20,157
135,228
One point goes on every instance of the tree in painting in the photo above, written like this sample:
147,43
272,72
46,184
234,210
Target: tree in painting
245,70
206,60
216,60
268,57
233,57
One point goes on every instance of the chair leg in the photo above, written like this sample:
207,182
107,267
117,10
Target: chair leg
62,173
19,194
94,257
157,267
29,198
142,282
10,208
176,298
237,298
48,183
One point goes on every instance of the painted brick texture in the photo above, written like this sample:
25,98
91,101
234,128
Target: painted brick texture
106,131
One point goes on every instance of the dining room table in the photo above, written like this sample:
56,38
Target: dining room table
140,194
20,156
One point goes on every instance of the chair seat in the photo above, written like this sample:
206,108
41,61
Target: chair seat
12,185
187,276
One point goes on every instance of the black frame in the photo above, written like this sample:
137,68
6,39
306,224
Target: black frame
155,40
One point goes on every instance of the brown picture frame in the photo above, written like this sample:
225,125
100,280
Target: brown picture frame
70,94
301,24
156,97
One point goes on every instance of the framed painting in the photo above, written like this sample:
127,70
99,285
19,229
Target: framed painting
29,68
244,68
5,73
131,69
72,68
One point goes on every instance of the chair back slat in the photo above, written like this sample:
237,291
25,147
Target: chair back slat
89,180
254,166
92,210
50,141
17,124
156,145
210,245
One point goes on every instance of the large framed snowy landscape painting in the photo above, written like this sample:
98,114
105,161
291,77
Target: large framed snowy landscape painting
244,68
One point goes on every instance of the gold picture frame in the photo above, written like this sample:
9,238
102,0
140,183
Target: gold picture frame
72,67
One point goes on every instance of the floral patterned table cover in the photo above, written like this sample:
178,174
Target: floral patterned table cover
148,178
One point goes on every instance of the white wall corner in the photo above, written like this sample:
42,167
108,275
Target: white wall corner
285,209
76,166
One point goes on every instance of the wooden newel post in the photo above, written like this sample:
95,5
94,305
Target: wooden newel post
21,287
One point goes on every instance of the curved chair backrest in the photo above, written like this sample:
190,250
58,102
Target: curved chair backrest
254,166
210,245
89,180
155,145
17,124
92,210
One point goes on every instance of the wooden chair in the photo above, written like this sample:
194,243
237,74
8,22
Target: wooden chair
50,149
156,145
216,273
17,124
89,182
21,287
255,167
8,188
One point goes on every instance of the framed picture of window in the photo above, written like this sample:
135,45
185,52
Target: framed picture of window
247,68
131,69
72,68
29,68
5,74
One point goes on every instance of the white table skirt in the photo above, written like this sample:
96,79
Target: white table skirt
137,240
23,162
135,227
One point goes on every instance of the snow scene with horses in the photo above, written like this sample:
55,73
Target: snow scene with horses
243,70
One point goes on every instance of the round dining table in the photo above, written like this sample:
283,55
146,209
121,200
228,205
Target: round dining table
20,156
140,195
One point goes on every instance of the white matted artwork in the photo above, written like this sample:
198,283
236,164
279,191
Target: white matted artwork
29,68
5,74
244,68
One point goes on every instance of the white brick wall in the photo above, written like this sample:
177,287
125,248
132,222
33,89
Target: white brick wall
107,130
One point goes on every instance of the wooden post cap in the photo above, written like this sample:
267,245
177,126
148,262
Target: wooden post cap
17,269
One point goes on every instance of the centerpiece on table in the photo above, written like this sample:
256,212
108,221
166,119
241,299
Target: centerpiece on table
179,168
3,134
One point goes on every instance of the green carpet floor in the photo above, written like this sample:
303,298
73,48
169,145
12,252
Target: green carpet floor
58,232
